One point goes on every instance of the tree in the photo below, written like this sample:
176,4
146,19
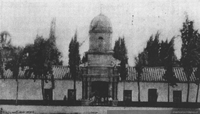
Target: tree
36,59
164,51
138,68
74,59
42,56
5,41
120,53
40,59
150,56
15,63
157,54
152,50
167,57
84,59
197,75
5,44
189,49
197,72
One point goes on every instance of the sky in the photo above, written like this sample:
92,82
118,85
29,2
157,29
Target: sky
135,20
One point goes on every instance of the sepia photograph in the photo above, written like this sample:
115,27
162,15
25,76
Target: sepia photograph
99,56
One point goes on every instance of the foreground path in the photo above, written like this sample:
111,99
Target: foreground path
93,110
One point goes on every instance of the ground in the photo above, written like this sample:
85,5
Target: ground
93,110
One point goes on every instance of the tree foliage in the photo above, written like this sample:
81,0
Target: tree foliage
139,70
167,56
156,52
189,50
16,61
5,45
150,56
74,56
120,53
190,45
41,56
5,41
152,50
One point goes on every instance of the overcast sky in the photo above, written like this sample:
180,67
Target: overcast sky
136,20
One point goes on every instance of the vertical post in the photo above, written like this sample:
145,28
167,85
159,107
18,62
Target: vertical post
17,91
83,88
115,88
115,91
114,102
110,88
89,86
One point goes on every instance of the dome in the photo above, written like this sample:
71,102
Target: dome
100,23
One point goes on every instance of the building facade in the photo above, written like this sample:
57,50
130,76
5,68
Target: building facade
152,86
99,79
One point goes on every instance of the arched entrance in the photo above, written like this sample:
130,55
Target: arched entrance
100,92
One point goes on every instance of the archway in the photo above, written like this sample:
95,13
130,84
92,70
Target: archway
100,91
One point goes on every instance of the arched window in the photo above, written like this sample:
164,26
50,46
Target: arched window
100,43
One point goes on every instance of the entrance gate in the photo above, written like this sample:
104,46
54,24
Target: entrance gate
99,94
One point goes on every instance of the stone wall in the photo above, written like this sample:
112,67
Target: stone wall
62,87
28,89
127,86
8,89
183,87
162,89
31,90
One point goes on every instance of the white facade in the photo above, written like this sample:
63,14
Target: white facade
30,90
162,89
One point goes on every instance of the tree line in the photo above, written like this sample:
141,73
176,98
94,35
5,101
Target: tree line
162,54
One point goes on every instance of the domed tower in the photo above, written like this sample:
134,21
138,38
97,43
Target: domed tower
100,77
100,34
